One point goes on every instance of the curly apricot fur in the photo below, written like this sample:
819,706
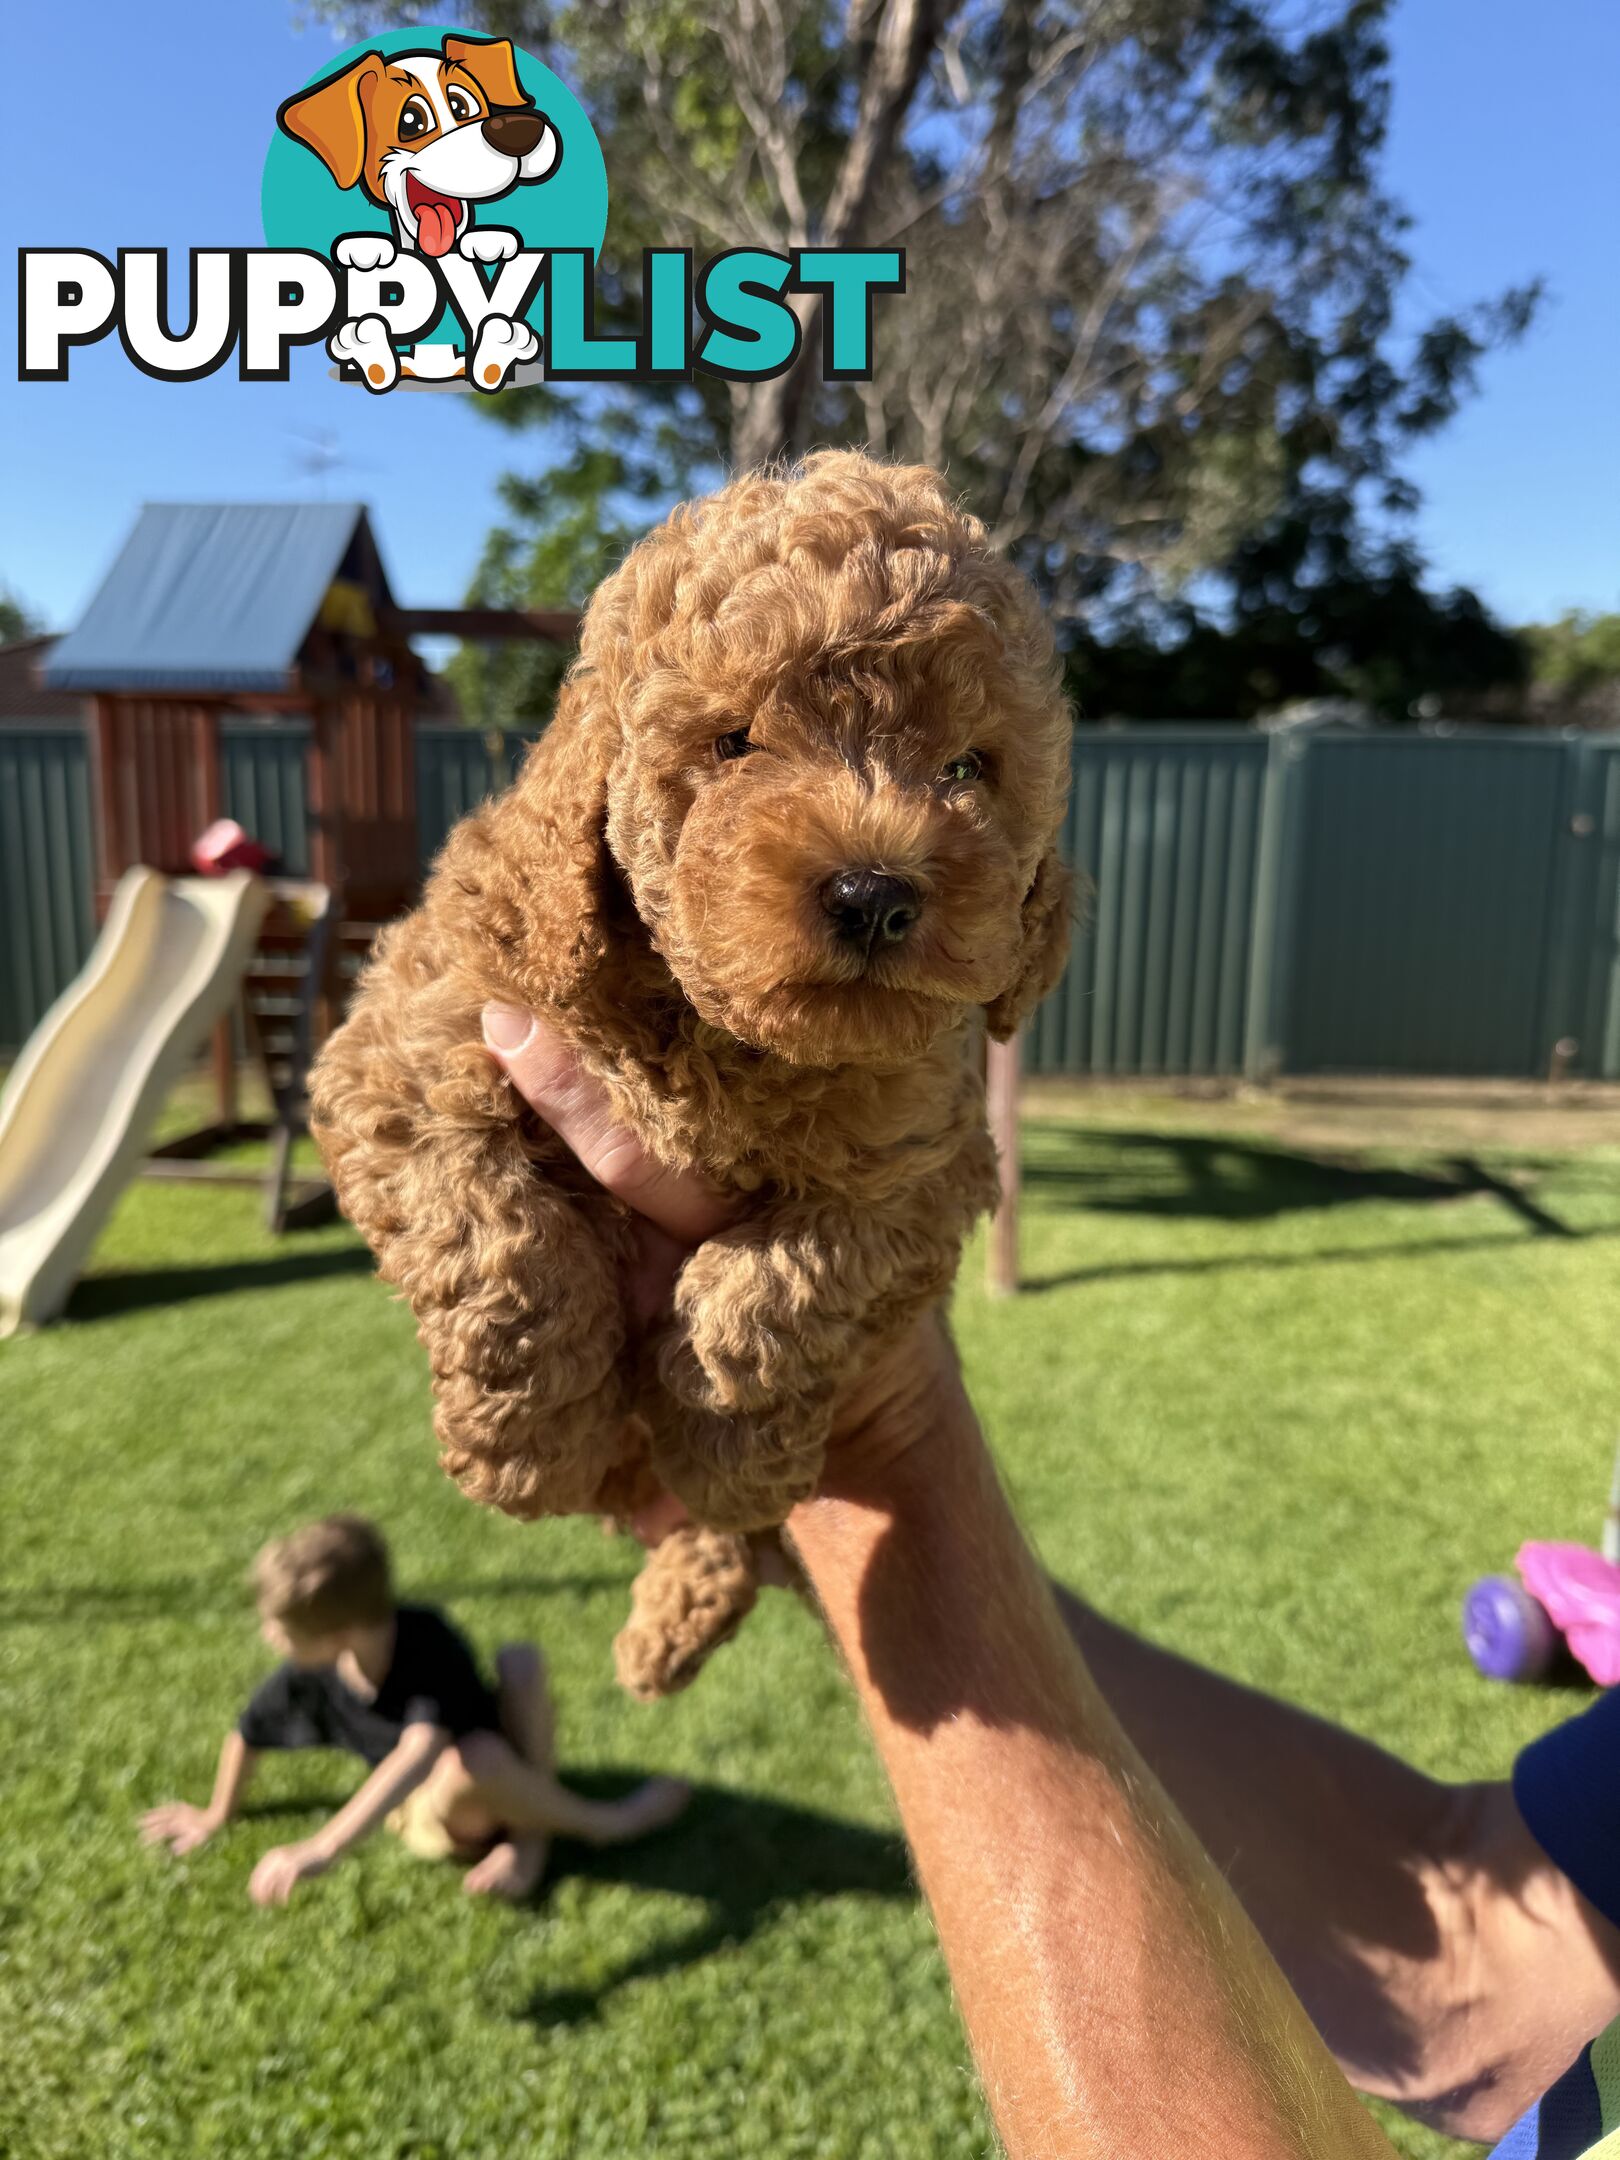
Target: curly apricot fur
659,903
696,1590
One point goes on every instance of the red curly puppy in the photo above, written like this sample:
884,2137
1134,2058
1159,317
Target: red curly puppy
791,831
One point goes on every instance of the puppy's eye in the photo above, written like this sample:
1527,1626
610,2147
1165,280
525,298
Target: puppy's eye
463,106
416,120
734,745
968,767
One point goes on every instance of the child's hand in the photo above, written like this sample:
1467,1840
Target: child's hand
180,1826
280,1872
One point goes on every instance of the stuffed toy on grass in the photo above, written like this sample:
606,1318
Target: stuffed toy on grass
788,841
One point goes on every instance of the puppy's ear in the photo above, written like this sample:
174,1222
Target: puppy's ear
493,67
1043,947
330,118
561,804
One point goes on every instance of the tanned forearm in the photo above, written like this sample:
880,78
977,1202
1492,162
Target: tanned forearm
393,1780
1271,1793
1446,1961
1116,1998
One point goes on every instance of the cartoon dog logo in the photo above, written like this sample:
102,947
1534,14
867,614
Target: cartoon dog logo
429,136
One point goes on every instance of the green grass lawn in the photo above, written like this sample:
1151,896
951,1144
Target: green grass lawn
1275,1410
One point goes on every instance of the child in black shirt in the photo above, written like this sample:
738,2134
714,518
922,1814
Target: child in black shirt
455,1766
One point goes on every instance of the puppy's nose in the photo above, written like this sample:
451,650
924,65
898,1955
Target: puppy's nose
513,134
870,907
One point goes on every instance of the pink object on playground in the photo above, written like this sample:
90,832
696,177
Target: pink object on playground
1581,1591
224,847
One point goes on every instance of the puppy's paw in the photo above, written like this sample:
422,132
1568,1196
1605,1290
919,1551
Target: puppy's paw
509,1446
502,345
745,1334
364,344
487,244
693,1594
711,1374
742,1473
364,251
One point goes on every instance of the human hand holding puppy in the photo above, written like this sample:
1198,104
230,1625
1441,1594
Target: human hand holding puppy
699,1585
883,1411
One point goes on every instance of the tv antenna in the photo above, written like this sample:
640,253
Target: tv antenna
320,453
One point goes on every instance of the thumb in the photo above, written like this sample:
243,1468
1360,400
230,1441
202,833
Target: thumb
576,1105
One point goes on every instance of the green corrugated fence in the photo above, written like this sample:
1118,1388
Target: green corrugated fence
262,785
47,871
1260,904
1166,826
455,769
1589,933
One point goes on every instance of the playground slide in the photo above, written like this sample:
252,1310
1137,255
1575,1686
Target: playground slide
82,1097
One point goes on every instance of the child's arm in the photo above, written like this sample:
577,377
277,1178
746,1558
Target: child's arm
183,1827
397,1775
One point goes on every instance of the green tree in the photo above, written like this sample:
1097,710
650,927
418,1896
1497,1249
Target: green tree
1577,653
1154,277
560,539
16,621
1369,631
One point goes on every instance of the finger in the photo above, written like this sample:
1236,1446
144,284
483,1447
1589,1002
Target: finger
658,1261
774,1571
549,1077
651,1524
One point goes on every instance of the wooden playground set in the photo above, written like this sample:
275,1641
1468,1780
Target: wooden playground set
278,615
157,784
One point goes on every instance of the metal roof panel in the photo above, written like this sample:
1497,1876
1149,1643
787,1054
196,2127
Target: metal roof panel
207,596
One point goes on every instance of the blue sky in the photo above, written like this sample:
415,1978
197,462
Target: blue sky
1503,146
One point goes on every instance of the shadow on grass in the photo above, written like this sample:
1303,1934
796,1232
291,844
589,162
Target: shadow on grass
1516,1198
747,1858
1233,1181
191,1597
105,1297
1273,1263
1228,1180
322,1804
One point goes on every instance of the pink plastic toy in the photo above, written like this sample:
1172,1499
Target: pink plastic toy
225,846
1581,1593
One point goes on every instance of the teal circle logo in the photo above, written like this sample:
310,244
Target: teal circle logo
438,141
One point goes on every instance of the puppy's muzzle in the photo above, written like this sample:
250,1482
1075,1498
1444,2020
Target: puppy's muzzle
870,908
513,134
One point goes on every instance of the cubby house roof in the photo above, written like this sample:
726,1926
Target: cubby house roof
217,597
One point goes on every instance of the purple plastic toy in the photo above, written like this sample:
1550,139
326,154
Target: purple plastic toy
1508,1633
